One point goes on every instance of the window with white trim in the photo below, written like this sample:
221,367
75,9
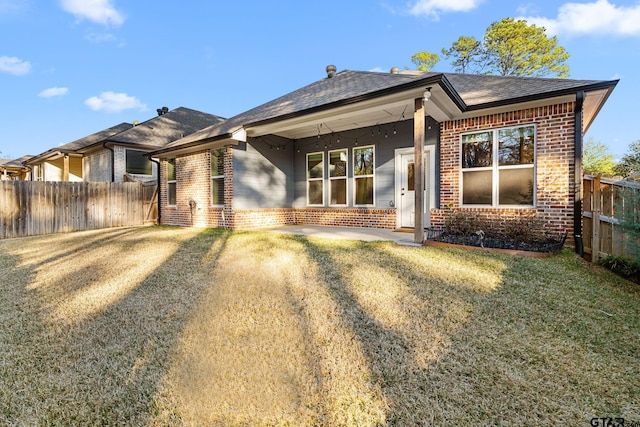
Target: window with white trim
498,167
363,175
338,177
217,177
171,182
315,179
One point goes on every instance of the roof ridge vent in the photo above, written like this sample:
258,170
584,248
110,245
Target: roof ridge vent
331,71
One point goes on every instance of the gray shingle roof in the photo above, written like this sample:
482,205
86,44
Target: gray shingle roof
14,163
470,91
161,130
482,90
79,144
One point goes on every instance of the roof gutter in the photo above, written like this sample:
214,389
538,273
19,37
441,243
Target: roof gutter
577,201
238,135
113,159
588,88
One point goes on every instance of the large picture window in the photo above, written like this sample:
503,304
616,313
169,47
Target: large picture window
138,163
315,179
171,182
363,175
498,167
338,177
217,177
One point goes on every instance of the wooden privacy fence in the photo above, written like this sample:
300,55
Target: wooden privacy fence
29,208
603,198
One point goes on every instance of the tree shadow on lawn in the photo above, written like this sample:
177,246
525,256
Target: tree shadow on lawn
91,346
489,339
538,348
403,319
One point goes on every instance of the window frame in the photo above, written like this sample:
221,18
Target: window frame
357,177
172,183
309,180
126,162
344,178
213,177
496,168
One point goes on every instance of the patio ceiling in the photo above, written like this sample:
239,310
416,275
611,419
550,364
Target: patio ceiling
388,109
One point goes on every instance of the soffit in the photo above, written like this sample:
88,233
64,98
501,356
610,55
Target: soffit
387,109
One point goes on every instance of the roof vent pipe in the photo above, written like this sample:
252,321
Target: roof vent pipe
395,70
331,71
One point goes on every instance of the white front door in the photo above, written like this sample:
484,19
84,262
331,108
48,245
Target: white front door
407,192
405,186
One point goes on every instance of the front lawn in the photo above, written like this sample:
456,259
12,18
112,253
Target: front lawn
170,326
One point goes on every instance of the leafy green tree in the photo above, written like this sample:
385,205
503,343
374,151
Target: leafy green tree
514,48
630,162
466,53
597,159
425,61
509,48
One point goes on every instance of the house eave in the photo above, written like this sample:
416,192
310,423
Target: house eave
232,138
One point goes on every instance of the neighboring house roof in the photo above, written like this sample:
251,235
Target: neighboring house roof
79,144
14,163
161,130
458,94
153,133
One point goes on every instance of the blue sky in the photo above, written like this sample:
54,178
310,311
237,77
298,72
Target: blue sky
69,68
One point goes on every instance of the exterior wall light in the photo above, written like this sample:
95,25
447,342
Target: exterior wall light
427,94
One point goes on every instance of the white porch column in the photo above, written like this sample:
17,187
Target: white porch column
418,145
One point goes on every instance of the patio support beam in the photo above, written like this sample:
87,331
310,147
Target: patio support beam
418,176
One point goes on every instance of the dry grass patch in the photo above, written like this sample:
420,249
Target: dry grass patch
166,326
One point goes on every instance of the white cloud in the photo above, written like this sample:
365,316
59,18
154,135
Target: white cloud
98,11
112,102
53,91
433,8
595,18
13,65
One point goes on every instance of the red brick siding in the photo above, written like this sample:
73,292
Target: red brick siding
350,217
554,163
193,182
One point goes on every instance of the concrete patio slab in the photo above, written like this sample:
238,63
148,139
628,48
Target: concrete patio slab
348,233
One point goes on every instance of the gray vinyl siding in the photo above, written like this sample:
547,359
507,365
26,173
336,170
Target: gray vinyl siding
384,157
263,173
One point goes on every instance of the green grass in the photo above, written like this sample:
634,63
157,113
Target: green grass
170,326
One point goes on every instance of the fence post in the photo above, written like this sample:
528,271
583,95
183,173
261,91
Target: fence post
597,207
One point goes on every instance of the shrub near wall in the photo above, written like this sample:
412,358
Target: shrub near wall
554,165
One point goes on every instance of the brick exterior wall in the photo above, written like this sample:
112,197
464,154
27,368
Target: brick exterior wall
554,168
336,217
193,182
555,151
